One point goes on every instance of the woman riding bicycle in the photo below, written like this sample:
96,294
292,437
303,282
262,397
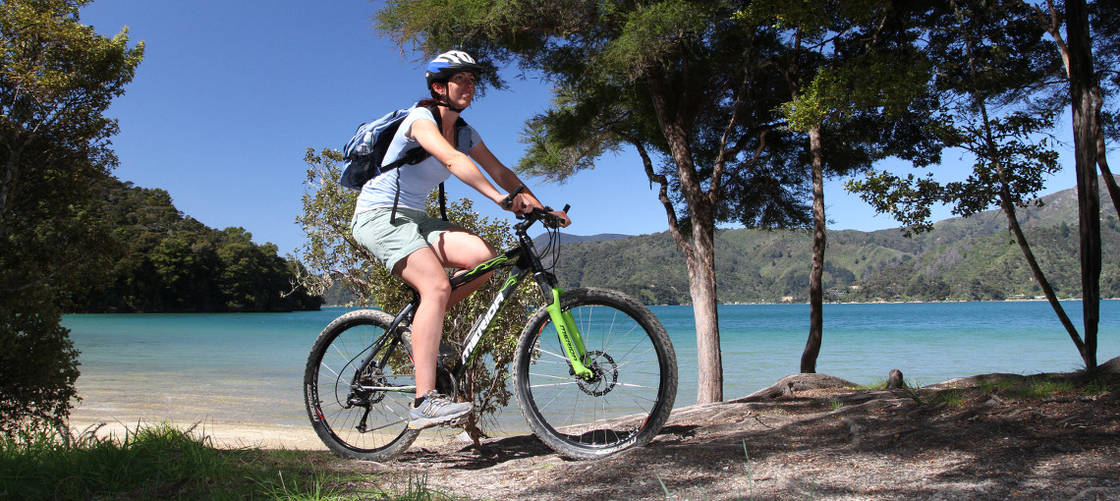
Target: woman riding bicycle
397,230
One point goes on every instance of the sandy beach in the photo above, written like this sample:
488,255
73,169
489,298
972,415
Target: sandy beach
271,418
119,421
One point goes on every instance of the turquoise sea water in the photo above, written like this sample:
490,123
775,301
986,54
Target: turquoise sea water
248,368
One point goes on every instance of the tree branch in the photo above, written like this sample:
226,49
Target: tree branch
663,196
724,153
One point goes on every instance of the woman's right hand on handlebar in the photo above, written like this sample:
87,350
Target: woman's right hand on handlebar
551,218
562,219
525,204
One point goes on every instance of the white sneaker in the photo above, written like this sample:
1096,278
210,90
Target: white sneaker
436,409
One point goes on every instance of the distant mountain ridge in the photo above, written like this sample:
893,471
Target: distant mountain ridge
960,259
567,238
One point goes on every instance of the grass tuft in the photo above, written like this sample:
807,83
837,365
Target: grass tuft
951,398
165,462
1040,388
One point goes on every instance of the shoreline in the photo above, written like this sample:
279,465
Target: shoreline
732,303
243,435
302,437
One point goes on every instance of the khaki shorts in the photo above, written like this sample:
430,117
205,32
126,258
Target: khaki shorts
391,243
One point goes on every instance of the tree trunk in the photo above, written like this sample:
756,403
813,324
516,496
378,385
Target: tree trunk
8,186
1036,271
700,255
1052,22
1085,154
816,292
1102,161
702,286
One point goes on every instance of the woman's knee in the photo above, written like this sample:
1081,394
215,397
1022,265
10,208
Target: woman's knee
425,273
437,288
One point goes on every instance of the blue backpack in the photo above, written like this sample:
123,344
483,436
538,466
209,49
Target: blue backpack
365,151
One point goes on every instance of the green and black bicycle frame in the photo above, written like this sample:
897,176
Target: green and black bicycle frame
522,261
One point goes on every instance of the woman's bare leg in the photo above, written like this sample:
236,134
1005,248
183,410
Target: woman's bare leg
424,272
463,250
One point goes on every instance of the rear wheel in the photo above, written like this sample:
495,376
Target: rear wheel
634,382
362,416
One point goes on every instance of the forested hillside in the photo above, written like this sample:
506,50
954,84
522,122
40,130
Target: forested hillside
961,259
169,262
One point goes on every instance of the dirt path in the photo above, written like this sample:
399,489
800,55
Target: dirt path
987,437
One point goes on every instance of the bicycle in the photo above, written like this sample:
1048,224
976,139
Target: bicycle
594,371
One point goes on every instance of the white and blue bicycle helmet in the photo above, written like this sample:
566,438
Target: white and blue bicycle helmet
449,63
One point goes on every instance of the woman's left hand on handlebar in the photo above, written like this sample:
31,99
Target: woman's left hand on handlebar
524,203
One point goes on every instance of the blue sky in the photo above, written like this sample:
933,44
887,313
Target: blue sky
230,95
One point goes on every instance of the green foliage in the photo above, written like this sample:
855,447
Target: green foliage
655,76
987,63
57,78
859,61
168,262
38,365
879,81
1014,387
951,398
333,256
165,462
650,36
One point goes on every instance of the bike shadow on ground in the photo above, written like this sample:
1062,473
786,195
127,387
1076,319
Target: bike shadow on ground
497,451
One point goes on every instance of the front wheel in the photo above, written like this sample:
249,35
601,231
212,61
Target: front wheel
634,376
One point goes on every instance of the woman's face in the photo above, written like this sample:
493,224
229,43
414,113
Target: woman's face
460,89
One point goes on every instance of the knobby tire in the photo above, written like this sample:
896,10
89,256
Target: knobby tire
630,398
332,405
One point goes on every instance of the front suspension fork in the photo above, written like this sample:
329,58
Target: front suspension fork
570,338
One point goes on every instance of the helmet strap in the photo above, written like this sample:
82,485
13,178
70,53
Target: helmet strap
445,100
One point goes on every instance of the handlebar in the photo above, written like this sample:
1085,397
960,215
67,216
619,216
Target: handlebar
544,215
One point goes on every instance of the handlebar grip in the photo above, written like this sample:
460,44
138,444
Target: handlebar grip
507,202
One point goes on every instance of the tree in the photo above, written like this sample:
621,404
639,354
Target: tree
986,60
1086,26
332,255
1096,27
681,82
1082,87
857,92
169,262
57,78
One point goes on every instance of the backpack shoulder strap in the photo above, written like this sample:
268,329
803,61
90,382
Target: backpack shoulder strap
416,155
439,126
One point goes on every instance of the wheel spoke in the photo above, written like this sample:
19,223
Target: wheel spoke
377,400
579,417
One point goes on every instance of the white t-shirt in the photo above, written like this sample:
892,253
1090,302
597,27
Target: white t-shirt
416,180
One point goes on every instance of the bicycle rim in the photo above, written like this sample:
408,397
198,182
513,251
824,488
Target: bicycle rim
369,422
635,378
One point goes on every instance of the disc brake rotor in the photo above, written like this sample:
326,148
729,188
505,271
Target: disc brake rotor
605,374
